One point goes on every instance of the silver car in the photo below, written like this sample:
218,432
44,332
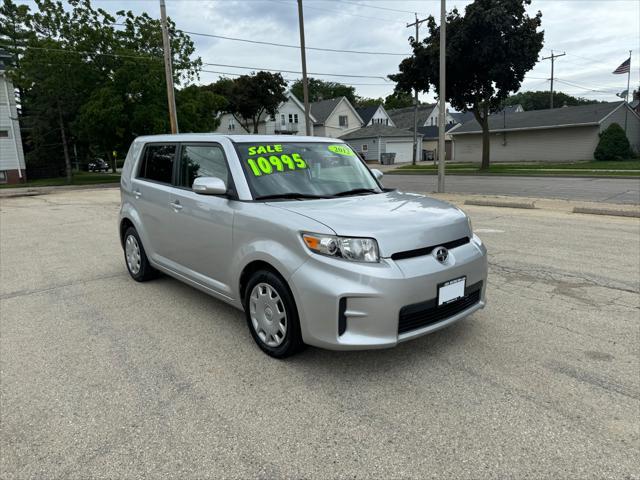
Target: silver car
302,236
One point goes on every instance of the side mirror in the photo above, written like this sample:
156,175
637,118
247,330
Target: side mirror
209,186
377,173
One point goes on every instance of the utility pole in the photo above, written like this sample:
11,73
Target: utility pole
168,69
442,101
305,80
552,58
415,96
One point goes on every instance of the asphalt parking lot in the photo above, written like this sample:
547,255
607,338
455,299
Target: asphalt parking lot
104,377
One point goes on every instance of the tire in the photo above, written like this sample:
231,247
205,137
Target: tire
135,257
267,297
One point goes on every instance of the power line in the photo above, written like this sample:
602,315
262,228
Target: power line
294,71
380,8
340,13
293,46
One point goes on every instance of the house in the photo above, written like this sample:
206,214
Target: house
427,116
335,117
376,139
567,134
288,120
374,115
12,166
430,137
427,127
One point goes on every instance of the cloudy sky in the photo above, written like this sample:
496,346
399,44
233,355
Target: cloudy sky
596,36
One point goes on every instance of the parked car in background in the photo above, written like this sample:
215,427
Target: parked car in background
98,165
301,235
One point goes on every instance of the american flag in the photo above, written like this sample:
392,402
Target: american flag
624,67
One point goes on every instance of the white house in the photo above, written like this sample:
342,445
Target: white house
335,117
12,166
375,115
372,141
288,120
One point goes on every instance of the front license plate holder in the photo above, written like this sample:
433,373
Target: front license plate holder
451,290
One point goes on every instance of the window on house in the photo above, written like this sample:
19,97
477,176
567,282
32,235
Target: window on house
343,121
386,121
157,163
365,147
232,124
4,133
295,118
282,120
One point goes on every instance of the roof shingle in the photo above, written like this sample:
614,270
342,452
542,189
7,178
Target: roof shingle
549,118
378,130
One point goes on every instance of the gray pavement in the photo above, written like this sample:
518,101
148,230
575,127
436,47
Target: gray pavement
104,377
609,190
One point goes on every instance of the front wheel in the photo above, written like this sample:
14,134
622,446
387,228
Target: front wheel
272,315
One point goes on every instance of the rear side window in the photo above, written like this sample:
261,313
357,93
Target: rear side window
157,163
202,161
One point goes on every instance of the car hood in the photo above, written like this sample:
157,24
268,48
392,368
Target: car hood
398,221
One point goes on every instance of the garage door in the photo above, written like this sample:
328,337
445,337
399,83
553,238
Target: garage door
403,151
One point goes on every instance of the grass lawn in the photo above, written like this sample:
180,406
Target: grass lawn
79,178
625,168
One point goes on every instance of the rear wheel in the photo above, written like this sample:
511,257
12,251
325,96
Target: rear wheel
135,257
272,315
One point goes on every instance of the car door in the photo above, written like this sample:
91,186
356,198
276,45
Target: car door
151,188
203,224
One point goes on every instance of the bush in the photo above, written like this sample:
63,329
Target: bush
613,144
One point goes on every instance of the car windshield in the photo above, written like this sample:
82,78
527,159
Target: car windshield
304,170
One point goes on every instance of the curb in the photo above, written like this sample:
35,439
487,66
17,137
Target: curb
34,191
607,211
499,203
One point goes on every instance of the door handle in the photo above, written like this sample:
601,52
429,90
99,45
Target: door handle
137,193
176,205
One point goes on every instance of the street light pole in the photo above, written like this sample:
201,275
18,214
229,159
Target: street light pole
442,100
168,69
305,80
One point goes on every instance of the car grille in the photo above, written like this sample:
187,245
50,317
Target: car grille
426,313
427,250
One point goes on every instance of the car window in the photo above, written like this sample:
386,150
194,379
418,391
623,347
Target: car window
202,161
157,163
309,168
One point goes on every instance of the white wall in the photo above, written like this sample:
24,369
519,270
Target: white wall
11,153
381,117
570,144
332,128
432,119
372,147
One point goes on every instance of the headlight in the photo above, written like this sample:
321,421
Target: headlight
353,249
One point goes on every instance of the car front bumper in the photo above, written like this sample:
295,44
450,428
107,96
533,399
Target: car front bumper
374,294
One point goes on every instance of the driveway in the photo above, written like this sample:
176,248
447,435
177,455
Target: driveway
609,190
105,377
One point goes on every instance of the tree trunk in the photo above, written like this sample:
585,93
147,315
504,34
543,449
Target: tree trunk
486,143
65,147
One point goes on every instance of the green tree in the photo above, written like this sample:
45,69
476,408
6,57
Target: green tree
322,90
489,51
368,102
613,144
198,108
89,81
539,100
248,97
398,99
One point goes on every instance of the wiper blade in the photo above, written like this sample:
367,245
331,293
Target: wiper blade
293,195
356,191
